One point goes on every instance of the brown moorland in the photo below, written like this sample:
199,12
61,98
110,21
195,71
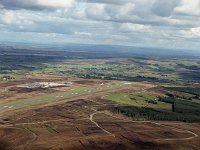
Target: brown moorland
86,124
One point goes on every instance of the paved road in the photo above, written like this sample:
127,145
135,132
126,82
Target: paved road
19,104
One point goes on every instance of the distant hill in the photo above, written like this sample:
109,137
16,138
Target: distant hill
100,51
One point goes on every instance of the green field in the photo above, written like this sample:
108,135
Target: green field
145,100
138,106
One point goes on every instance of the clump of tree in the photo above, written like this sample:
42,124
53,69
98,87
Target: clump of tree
190,90
183,106
182,110
142,113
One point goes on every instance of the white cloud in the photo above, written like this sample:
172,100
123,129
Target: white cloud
196,31
37,4
83,33
164,8
191,33
7,17
114,21
117,2
120,11
189,7
97,12
129,27
56,3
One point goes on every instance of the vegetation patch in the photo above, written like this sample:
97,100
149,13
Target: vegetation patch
190,90
145,106
145,100
183,106
141,113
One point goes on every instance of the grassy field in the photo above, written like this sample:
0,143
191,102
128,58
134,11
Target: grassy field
149,106
140,100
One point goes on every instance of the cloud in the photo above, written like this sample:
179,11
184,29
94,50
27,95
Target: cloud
191,33
147,12
14,20
115,2
129,27
189,7
83,33
37,4
164,8
105,12
99,21
7,17
97,12
196,31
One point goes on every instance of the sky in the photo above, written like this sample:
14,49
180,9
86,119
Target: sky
146,23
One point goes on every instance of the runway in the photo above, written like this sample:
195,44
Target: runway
42,100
